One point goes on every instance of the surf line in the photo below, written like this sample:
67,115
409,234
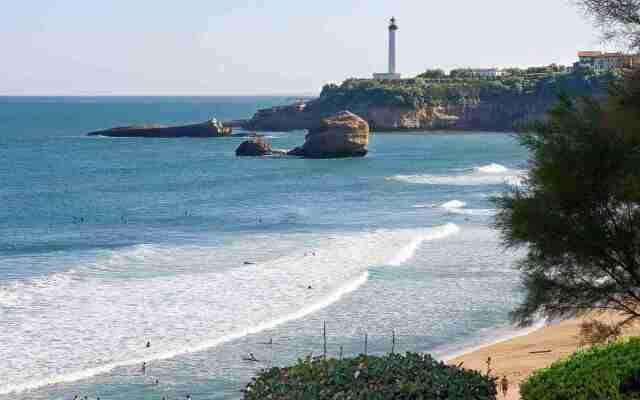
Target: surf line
90,372
434,233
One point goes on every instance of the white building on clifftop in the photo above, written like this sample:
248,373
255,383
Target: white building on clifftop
392,74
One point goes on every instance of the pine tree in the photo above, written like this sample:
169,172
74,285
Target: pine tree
578,212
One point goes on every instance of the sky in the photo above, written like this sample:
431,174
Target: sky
274,47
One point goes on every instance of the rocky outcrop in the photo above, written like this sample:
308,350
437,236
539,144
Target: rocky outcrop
205,129
342,135
448,103
253,148
482,116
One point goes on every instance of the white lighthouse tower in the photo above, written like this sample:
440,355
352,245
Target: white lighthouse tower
392,74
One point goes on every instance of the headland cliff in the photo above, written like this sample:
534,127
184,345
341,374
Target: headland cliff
456,103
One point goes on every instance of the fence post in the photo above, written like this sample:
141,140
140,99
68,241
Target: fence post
365,343
393,342
324,340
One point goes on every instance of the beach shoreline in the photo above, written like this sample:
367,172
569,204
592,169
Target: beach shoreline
519,356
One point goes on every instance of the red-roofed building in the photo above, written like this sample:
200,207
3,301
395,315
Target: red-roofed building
608,61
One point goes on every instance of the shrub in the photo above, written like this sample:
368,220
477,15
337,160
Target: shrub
605,372
410,376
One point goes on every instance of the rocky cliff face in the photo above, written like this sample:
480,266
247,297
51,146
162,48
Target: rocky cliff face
499,116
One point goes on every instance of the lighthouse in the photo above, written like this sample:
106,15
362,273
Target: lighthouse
391,74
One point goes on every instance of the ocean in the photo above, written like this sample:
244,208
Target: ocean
107,244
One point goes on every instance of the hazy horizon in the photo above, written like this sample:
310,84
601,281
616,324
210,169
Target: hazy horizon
285,48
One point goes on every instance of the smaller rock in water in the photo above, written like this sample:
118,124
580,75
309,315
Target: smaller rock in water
253,148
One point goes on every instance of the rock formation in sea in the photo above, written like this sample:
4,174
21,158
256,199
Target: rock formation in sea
342,135
253,148
205,129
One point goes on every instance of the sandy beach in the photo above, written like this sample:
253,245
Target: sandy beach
517,358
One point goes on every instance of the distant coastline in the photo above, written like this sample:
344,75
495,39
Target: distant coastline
446,102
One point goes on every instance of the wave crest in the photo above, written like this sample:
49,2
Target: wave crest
490,174
492,168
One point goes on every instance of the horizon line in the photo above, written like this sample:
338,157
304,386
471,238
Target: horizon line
160,95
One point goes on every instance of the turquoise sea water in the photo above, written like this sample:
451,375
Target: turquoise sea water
106,244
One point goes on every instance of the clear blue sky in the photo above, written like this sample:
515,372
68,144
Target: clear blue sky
244,47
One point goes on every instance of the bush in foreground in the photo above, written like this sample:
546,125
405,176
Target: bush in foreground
606,372
410,376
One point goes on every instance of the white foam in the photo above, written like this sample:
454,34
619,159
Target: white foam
72,326
407,252
492,169
477,212
453,204
431,205
79,375
491,174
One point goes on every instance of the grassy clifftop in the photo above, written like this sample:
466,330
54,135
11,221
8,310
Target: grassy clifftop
436,88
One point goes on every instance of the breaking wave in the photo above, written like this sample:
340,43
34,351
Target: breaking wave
490,174
74,325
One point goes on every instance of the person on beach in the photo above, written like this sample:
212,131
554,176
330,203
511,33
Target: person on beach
148,344
504,385
144,367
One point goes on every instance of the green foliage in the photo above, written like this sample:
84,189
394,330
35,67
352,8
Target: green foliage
461,73
412,376
602,373
459,88
577,214
433,74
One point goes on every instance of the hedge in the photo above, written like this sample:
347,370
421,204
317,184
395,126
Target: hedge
410,376
609,372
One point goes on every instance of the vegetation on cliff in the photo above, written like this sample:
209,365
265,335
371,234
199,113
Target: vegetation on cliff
435,88
410,376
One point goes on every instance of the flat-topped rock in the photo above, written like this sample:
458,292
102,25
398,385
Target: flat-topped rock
205,129
342,135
